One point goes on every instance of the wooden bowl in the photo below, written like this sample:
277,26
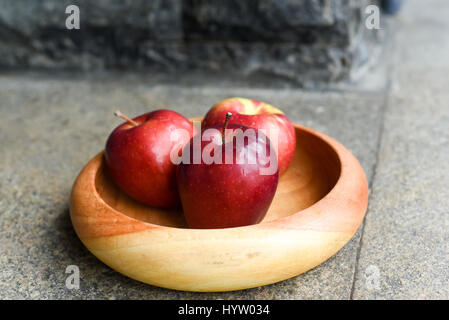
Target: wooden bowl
319,204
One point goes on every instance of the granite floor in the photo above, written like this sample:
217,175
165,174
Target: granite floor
397,126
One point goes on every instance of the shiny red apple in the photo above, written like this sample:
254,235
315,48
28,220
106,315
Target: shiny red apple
234,189
258,115
138,159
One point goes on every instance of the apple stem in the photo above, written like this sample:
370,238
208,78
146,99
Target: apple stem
228,116
118,113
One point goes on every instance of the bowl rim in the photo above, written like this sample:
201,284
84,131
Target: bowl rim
351,187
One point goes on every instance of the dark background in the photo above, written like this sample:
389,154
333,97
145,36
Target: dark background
306,41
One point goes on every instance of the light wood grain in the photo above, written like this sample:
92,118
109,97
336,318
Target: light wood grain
320,202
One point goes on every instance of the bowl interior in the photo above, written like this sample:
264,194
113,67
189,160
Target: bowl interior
313,172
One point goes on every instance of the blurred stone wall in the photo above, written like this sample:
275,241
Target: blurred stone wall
308,41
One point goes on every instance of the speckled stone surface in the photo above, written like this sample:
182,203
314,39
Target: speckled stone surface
406,235
52,125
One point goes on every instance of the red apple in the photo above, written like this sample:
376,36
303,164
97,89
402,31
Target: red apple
137,156
258,115
235,192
